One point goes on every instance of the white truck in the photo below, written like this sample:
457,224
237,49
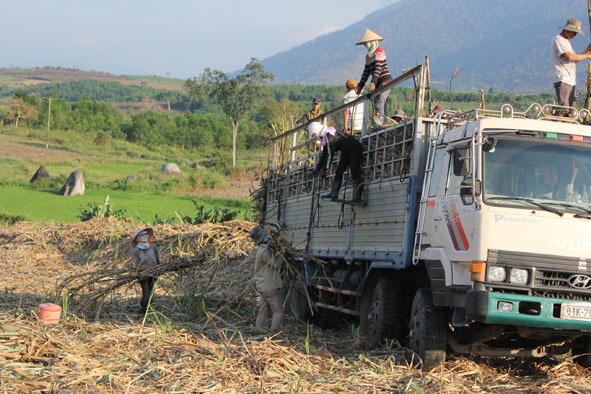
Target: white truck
475,235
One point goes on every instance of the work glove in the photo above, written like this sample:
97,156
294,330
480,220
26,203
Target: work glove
322,173
314,173
158,262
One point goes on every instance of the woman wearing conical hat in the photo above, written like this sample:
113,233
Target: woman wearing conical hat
376,67
145,254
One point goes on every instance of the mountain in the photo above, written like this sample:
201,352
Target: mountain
502,44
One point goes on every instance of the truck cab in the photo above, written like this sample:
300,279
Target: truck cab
504,237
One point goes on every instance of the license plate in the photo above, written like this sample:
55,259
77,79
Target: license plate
575,311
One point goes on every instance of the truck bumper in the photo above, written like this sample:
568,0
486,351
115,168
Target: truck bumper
522,310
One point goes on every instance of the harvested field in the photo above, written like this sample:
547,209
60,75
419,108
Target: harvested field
199,336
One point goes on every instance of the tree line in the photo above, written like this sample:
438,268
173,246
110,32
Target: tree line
214,110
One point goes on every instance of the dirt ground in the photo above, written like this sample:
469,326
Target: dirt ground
16,148
199,335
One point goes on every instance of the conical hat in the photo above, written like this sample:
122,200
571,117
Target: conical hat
369,36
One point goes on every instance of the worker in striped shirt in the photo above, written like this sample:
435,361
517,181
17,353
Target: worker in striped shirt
376,67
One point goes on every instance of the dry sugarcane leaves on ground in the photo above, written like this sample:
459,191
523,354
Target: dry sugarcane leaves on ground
200,336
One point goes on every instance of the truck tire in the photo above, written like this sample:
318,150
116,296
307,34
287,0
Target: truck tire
381,311
427,335
297,305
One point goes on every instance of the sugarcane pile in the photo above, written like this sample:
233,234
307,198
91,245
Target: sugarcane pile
213,347
212,259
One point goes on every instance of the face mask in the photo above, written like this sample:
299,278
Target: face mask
143,240
371,47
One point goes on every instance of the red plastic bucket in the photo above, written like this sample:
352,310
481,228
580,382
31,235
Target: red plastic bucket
49,313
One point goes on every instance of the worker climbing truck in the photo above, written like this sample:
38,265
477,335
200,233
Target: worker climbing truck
474,235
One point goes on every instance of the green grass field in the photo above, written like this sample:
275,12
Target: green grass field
46,206
129,174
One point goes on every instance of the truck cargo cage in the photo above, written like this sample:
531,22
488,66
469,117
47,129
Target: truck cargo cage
386,150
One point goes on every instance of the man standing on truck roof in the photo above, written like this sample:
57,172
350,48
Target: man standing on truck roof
376,66
564,63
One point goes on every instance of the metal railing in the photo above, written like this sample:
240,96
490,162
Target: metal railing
386,151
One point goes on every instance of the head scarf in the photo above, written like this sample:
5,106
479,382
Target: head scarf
371,47
318,130
142,240
328,131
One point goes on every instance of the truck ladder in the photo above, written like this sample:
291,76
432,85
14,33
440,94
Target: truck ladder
426,182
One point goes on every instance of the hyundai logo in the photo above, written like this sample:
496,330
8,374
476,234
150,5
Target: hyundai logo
580,281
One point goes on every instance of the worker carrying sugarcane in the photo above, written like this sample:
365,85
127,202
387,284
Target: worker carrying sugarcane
351,154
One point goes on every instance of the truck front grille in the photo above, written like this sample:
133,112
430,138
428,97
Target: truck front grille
550,275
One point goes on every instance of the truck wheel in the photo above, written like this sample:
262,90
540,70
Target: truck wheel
381,311
428,332
581,351
297,305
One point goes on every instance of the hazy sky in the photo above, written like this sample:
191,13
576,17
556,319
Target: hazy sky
178,38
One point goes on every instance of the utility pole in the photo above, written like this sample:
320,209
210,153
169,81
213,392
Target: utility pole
48,122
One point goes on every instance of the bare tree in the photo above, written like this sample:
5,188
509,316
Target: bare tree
454,75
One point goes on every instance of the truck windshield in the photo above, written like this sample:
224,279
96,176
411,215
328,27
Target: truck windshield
538,173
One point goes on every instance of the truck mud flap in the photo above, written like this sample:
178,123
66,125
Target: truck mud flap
476,305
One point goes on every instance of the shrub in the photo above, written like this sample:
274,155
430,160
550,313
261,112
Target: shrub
93,210
11,219
102,139
53,183
213,215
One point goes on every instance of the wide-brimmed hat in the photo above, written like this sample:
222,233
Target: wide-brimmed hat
139,232
351,84
573,25
258,234
399,114
143,243
369,36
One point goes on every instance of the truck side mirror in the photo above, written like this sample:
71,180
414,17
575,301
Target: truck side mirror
488,144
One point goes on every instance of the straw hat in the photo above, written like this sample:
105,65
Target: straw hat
149,231
351,84
141,237
370,36
399,114
573,25
258,234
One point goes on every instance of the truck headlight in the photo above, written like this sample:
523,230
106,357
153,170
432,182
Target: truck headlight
496,273
518,276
